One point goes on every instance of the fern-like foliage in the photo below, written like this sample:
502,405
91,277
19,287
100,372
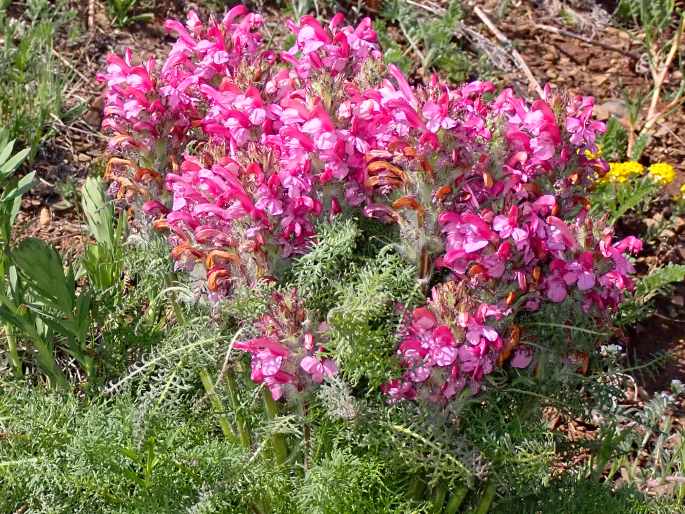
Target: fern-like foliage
659,281
367,316
317,273
344,482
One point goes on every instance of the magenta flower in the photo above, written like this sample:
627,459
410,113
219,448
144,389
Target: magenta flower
287,357
238,150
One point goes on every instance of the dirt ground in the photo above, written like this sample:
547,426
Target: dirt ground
608,71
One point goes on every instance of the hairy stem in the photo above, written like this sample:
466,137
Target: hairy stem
12,350
243,431
217,406
278,443
415,489
487,499
456,499
439,495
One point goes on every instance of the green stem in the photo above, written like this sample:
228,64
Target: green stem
415,489
456,499
243,432
176,307
13,353
278,443
46,360
439,495
217,406
306,435
178,311
487,499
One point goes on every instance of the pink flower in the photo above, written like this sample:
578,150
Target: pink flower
253,147
318,369
522,358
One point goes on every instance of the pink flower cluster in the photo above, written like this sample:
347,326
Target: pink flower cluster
505,214
288,354
253,145
253,131
451,343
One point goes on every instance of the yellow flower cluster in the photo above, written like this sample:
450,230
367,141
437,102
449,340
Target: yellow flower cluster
663,173
594,155
622,171
619,172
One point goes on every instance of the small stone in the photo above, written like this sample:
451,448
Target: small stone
667,234
44,217
610,108
651,261
650,222
83,157
93,118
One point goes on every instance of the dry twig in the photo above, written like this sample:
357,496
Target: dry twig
659,76
70,66
584,39
659,70
517,57
91,15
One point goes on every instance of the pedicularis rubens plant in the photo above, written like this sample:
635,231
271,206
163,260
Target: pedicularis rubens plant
240,151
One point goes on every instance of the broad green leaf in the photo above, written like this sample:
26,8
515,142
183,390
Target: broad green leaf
22,186
10,166
42,266
99,211
6,152
83,314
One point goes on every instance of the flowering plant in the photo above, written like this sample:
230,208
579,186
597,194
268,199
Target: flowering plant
288,350
240,150
629,185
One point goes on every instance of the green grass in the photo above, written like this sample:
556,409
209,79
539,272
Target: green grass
32,84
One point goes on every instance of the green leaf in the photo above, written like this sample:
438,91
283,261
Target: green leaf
6,151
42,266
10,166
657,280
640,145
83,314
99,211
22,186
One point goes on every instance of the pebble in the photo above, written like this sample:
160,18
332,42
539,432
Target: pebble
45,217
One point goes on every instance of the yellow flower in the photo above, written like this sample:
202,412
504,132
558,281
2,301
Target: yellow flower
632,168
682,192
594,155
662,172
620,172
